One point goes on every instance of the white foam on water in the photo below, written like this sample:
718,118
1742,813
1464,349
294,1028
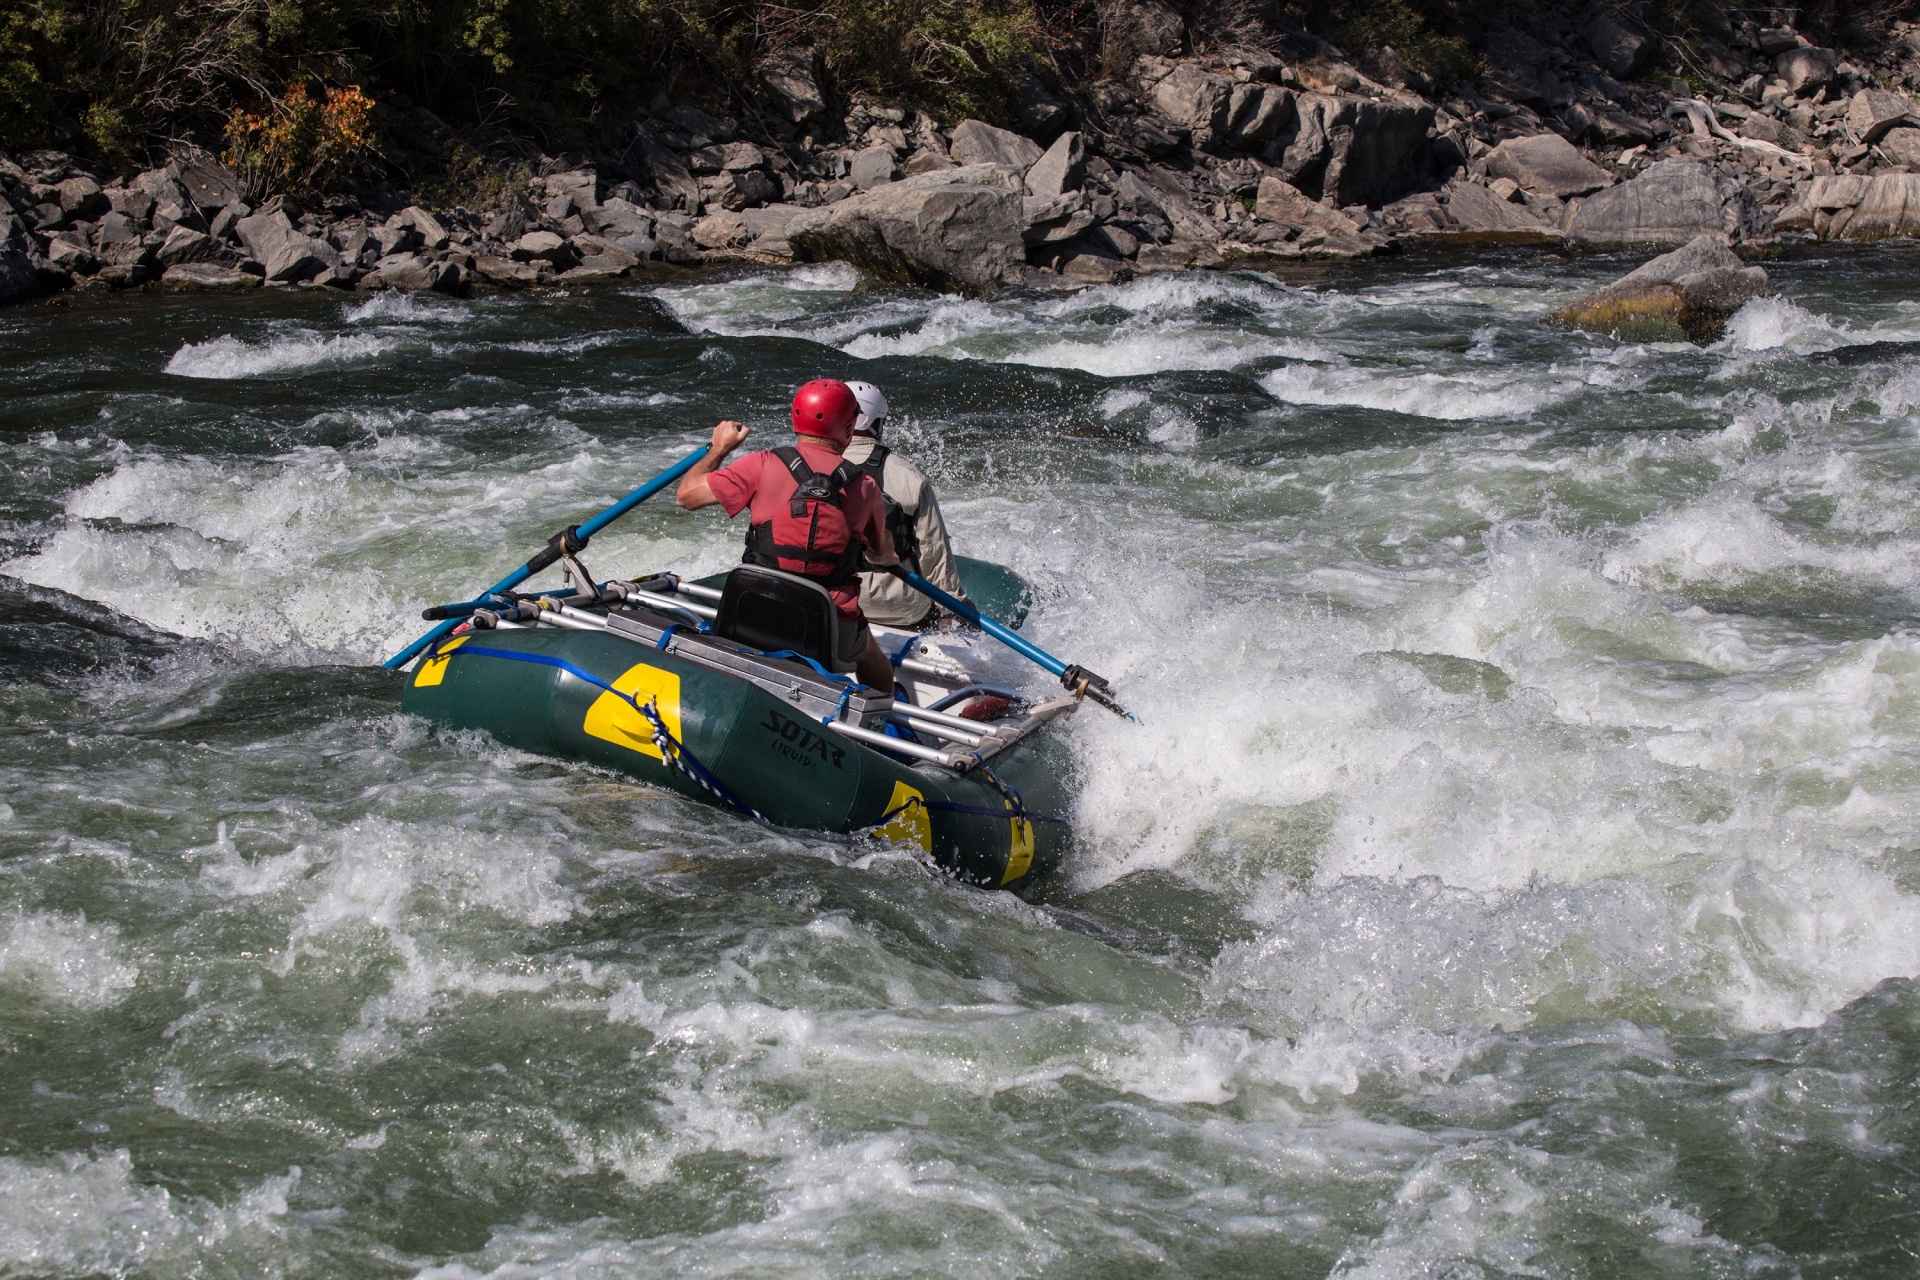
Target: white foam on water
65,958
74,1214
228,357
313,553
1423,395
394,307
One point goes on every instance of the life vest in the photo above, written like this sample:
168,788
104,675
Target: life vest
906,539
812,537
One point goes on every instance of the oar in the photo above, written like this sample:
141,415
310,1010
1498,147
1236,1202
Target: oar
567,542
1073,677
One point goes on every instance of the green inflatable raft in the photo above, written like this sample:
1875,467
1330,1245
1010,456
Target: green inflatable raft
723,690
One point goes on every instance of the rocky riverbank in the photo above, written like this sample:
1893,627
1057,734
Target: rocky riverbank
1181,162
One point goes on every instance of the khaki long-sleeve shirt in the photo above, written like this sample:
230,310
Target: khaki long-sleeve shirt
883,598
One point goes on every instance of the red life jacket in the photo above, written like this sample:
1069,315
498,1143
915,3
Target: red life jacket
812,537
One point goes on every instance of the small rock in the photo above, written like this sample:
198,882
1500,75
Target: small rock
871,168
1256,113
1806,71
431,234
1506,188
209,185
737,191
65,255
543,246
1061,169
223,222
1193,98
1282,202
723,230
1546,163
977,142
1774,41
790,80
509,274
1474,210
674,232
1873,112
404,271
1620,50
1122,242
291,259
582,186
183,244
1094,268
928,161
395,238
1688,293
1052,219
81,198
207,276
117,228
131,201
1901,146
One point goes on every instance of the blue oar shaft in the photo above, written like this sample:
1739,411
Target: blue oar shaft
1079,679
546,557
1006,635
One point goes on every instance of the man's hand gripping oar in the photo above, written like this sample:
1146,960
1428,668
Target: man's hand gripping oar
1081,681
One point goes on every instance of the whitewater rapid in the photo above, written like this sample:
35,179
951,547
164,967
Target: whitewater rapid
1515,866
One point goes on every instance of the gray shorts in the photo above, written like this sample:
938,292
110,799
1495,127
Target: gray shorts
855,635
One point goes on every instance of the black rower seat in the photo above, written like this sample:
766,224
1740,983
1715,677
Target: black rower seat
771,610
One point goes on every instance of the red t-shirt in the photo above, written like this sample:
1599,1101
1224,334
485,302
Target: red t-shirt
744,483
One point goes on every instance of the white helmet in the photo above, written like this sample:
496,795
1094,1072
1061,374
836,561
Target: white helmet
873,408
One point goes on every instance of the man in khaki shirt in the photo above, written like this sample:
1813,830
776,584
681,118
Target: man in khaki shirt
913,518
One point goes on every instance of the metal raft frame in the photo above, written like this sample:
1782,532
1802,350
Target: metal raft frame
639,614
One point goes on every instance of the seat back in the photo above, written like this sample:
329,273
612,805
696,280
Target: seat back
773,610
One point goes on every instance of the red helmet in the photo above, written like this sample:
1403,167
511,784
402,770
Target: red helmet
826,407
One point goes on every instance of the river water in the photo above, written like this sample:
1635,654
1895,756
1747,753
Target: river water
1517,871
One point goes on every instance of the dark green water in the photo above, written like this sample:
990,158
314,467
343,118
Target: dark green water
1518,873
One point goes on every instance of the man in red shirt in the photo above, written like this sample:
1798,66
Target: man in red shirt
810,513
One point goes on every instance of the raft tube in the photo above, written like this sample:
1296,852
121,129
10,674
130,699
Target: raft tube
758,730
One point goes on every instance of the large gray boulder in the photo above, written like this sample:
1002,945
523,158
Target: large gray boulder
1874,112
1669,204
18,279
207,276
271,240
1890,206
1616,47
1806,71
1256,113
1354,150
1193,98
1474,211
1377,152
963,236
1546,164
1280,201
977,142
789,79
1061,169
1689,293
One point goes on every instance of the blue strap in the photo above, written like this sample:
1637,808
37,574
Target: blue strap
545,661
661,643
834,676
905,649
846,696
671,748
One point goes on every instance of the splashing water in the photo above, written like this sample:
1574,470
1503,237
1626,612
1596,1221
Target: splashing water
1517,870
